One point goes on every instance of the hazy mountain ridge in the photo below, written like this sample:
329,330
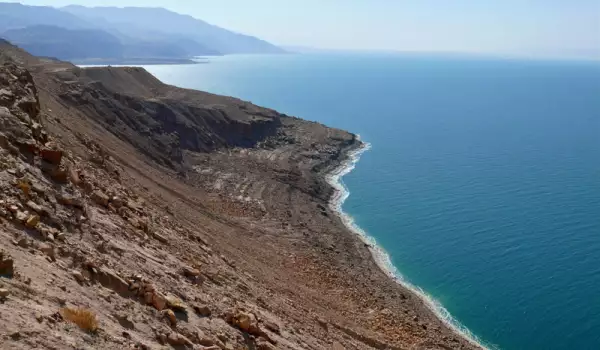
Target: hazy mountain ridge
53,41
141,22
81,33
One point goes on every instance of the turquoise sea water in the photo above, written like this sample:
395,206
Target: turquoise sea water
482,184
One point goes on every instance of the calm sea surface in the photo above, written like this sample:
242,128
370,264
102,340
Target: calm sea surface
482,184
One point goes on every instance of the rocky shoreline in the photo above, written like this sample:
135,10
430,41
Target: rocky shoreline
134,214
378,254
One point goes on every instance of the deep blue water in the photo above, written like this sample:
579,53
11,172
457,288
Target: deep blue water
483,181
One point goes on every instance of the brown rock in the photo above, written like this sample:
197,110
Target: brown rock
59,175
109,279
177,339
38,188
168,313
159,237
273,327
6,265
24,243
116,202
73,175
204,340
27,146
245,321
202,310
87,186
36,130
15,335
78,276
48,250
32,221
35,207
190,272
125,321
337,346
175,303
4,293
52,156
148,297
263,344
100,198
159,301
21,216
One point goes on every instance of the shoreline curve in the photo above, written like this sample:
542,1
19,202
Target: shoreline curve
378,253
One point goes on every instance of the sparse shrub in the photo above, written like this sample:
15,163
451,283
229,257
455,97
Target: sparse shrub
25,187
84,318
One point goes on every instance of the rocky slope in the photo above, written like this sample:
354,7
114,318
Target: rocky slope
172,218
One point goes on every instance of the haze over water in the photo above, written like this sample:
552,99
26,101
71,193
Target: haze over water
482,184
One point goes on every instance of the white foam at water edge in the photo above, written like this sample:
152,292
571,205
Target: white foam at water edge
380,256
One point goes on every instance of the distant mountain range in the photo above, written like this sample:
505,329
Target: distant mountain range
80,33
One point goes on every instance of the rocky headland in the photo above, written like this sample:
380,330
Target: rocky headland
137,215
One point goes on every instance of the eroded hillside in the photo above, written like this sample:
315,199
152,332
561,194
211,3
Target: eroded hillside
179,219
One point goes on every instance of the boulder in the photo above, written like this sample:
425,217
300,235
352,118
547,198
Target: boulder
177,339
159,301
245,321
204,340
6,266
4,293
48,250
32,221
190,272
109,279
100,198
73,176
24,242
52,156
38,188
202,310
35,207
159,237
36,129
116,202
70,200
272,326
170,315
59,175
29,105
176,304
78,276
148,297
21,216
125,321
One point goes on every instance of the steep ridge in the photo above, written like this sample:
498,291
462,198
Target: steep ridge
137,107
180,219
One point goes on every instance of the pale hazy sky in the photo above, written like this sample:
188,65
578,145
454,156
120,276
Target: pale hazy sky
521,27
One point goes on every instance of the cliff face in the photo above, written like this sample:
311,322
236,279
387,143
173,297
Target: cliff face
178,219
132,104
